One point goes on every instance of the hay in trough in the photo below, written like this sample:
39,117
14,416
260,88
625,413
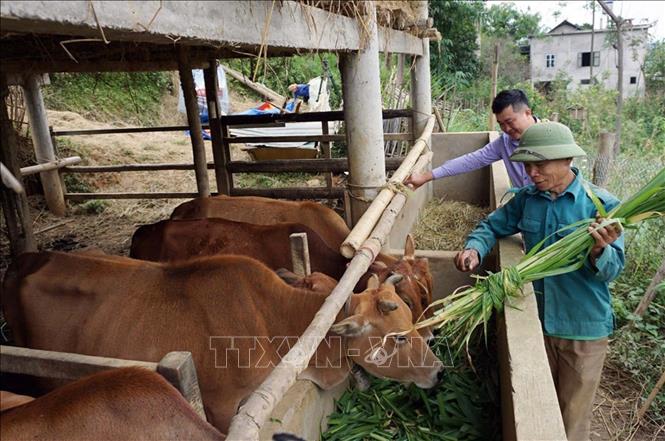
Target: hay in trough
443,225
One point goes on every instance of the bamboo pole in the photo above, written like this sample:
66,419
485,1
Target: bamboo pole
9,180
257,409
51,165
365,225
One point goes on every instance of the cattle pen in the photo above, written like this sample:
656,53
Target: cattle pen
84,36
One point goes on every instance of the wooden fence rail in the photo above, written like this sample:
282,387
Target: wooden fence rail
336,165
325,165
176,367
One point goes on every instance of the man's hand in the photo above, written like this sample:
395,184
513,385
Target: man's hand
603,236
415,180
467,260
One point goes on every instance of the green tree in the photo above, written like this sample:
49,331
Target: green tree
454,60
505,20
654,68
505,25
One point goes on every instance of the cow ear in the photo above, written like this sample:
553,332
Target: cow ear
353,326
373,282
386,306
409,248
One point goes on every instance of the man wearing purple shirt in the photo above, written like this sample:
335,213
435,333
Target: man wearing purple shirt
514,116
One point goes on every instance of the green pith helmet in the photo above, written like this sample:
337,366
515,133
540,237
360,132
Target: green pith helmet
545,141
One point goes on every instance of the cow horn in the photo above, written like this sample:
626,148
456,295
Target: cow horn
394,279
387,306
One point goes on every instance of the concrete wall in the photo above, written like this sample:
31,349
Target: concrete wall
470,187
303,411
566,47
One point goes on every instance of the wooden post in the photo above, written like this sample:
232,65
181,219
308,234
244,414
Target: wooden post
226,150
361,87
421,86
214,115
300,254
198,147
439,119
325,149
61,175
601,168
41,139
178,369
619,22
656,283
495,74
14,206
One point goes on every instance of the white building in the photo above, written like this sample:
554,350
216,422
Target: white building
567,49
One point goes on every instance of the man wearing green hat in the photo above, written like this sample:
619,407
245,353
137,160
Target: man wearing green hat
575,309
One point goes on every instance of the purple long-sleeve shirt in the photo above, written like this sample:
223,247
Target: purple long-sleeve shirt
500,148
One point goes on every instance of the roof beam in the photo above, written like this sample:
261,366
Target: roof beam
292,26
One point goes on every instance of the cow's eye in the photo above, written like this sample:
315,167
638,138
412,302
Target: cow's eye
400,339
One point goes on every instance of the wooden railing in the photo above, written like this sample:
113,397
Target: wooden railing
326,165
176,367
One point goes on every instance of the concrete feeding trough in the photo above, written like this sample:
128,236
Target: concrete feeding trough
529,404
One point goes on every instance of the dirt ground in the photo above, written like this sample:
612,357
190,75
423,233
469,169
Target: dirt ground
112,227
617,401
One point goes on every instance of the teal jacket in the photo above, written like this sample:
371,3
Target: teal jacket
576,305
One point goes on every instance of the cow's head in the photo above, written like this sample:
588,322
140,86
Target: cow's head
415,285
372,316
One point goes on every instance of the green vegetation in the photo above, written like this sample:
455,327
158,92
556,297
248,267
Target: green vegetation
463,406
91,207
132,97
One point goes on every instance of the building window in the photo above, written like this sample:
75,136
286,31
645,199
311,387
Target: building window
633,80
584,59
585,81
549,60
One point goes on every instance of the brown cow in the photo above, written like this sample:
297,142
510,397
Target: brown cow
415,289
235,315
120,404
266,211
173,240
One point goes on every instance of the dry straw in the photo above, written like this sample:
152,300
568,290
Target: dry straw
443,225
